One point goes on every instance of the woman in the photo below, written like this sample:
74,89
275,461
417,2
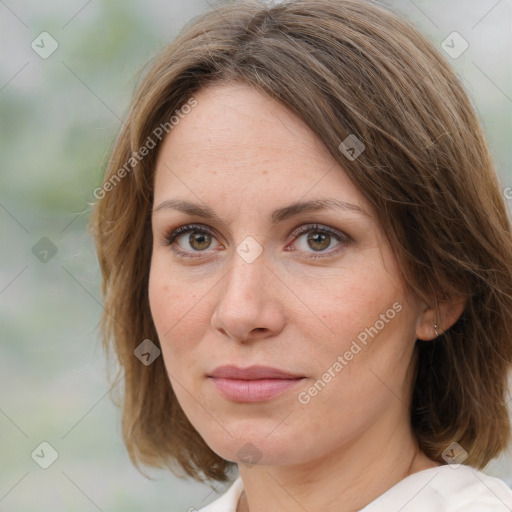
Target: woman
307,266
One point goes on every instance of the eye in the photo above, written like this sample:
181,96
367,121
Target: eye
192,238
317,240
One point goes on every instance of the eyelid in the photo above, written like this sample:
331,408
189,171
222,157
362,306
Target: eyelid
304,228
171,234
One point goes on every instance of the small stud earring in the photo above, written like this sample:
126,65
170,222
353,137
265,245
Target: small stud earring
435,329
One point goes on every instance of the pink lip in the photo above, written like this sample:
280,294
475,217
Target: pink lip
252,384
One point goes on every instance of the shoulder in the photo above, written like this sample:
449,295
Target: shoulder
228,501
443,489
446,489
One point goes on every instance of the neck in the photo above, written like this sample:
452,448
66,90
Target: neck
348,478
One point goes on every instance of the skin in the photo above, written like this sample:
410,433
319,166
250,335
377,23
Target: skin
244,155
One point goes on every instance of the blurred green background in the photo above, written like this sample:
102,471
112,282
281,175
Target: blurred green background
58,117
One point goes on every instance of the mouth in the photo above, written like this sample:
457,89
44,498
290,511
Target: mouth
253,384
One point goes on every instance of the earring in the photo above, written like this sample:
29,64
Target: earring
435,329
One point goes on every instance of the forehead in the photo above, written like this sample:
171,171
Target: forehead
237,143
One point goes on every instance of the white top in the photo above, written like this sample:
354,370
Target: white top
456,488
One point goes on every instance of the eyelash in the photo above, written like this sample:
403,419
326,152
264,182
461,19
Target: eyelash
172,235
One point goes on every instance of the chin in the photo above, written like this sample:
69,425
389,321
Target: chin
251,444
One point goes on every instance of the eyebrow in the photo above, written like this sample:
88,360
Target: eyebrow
277,216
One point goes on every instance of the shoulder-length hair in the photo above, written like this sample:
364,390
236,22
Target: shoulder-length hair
346,68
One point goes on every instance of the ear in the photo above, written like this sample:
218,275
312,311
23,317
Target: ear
444,316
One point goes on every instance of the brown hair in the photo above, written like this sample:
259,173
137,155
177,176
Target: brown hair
344,67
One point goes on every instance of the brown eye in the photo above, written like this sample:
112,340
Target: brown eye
318,241
199,241
191,240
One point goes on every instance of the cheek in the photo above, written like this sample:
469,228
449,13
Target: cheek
354,302
177,310
162,300
180,321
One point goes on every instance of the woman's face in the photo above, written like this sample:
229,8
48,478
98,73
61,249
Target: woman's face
279,263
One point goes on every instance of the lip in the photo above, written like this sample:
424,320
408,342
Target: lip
253,384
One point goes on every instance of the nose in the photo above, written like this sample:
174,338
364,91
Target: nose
250,302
